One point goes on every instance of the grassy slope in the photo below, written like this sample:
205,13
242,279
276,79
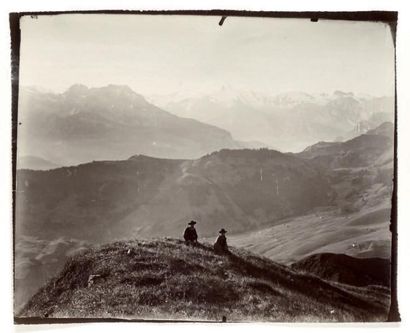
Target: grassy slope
363,234
165,279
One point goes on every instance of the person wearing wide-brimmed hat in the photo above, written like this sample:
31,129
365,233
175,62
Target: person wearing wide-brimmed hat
190,235
221,245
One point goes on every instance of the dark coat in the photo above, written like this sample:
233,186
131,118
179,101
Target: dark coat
221,245
190,234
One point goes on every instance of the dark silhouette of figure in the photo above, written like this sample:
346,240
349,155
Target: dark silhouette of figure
221,245
190,235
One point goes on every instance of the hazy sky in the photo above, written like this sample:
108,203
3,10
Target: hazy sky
165,54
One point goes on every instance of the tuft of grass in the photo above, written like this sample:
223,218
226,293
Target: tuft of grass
165,279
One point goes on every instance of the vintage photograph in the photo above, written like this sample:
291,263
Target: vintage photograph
204,168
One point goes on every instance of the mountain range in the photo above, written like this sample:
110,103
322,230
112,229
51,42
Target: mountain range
109,123
114,122
286,122
35,163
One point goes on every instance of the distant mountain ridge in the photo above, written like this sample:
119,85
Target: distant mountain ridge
287,121
375,146
35,163
108,123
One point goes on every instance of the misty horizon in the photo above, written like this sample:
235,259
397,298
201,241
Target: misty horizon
271,56
200,92
283,122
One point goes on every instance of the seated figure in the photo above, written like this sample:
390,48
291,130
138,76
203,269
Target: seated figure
221,246
190,235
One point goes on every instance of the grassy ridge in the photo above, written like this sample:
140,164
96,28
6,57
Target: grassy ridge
165,279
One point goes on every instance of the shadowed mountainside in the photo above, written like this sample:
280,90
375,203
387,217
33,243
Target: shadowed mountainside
169,280
346,269
145,196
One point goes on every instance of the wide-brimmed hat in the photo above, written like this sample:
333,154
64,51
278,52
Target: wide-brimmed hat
222,231
192,223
